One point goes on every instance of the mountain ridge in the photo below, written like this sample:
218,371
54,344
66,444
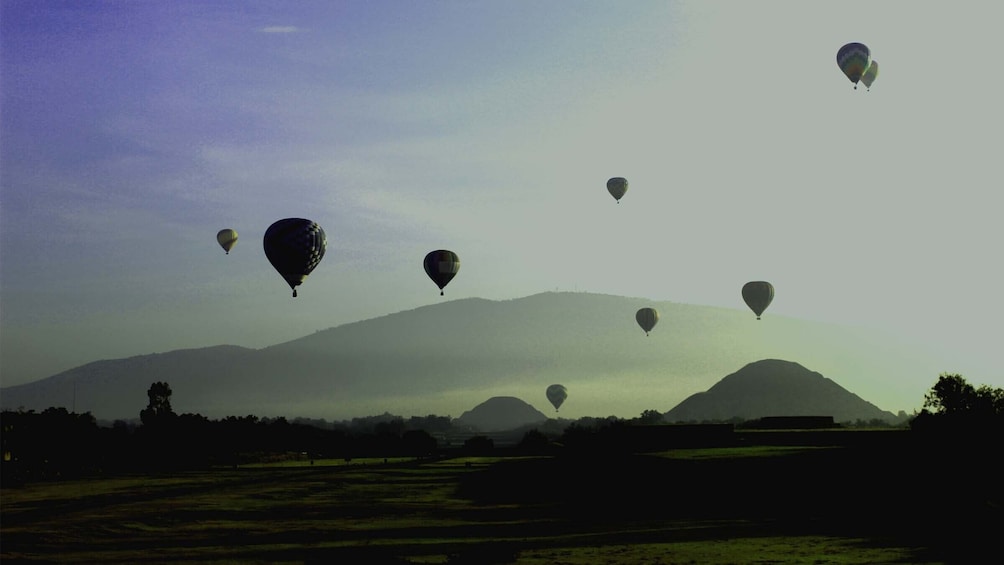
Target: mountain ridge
445,357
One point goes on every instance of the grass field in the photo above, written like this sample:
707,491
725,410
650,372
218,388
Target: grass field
693,506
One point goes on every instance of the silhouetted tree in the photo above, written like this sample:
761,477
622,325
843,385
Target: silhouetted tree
193,434
158,410
950,395
159,441
963,425
650,417
953,407
48,445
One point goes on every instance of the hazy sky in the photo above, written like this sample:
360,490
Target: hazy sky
132,131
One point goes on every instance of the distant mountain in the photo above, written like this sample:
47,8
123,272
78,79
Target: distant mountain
501,413
772,387
444,358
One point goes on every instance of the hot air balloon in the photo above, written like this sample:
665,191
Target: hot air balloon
871,74
294,246
617,186
557,395
227,238
441,266
647,318
853,59
758,295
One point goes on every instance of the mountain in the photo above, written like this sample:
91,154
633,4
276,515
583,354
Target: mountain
501,413
444,358
772,387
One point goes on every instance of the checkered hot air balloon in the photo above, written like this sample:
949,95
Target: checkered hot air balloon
441,266
294,246
853,59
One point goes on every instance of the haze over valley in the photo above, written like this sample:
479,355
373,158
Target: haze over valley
446,358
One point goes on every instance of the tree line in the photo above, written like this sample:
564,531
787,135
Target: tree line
56,443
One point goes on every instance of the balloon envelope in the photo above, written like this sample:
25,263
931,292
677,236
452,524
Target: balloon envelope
294,246
871,74
557,394
853,59
227,238
441,266
617,186
647,318
758,295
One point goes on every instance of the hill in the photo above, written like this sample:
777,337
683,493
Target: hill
772,387
444,358
501,413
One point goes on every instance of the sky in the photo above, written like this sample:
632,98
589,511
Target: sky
132,131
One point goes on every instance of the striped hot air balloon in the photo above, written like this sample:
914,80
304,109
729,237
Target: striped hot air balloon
853,59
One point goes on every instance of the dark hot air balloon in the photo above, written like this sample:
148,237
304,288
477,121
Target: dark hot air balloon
647,318
294,246
441,266
557,394
758,295
853,59
617,186
227,238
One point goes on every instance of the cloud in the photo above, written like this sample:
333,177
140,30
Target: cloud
279,29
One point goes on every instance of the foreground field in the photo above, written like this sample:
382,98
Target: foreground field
740,506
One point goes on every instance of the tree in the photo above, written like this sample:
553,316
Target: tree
651,417
989,400
952,395
158,411
955,408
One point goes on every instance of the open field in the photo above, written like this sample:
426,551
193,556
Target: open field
741,505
